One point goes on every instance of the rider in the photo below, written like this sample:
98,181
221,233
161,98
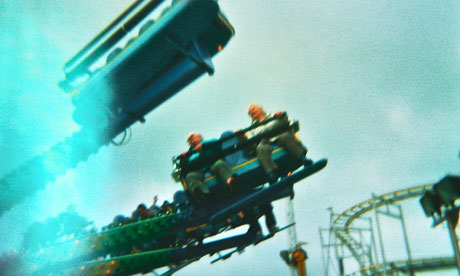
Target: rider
200,150
285,139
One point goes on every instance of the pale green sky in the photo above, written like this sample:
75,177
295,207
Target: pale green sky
374,85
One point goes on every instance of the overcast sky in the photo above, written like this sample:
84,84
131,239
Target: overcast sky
374,84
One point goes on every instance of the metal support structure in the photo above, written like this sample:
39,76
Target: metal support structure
452,219
323,246
406,240
343,234
400,217
337,241
292,232
379,233
373,245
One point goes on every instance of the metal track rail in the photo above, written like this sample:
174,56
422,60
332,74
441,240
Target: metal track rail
342,222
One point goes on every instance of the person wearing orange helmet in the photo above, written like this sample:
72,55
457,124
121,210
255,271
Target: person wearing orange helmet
202,149
285,139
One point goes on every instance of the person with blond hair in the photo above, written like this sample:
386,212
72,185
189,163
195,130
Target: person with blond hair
286,139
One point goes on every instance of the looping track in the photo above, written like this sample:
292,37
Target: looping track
341,227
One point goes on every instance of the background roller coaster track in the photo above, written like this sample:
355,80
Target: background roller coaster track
419,265
342,222
348,216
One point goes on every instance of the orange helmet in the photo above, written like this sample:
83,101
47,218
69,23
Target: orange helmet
256,112
192,136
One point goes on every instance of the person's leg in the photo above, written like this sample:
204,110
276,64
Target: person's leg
264,151
294,146
221,170
254,225
225,174
255,229
270,219
196,186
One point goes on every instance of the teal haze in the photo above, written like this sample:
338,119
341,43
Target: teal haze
374,84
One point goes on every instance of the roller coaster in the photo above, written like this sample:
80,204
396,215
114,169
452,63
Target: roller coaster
364,252
150,52
178,237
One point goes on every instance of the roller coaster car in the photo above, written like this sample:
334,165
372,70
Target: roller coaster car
112,86
250,175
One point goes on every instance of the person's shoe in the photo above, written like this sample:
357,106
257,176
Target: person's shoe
257,235
255,230
272,177
202,196
207,196
232,183
305,161
273,229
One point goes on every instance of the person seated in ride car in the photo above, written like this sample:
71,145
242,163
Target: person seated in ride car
200,150
286,139
141,213
166,208
155,209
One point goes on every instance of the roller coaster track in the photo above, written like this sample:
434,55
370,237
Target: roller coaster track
419,265
165,240
118,239
342,222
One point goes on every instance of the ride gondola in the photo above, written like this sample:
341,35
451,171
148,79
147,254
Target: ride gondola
115,81
145,56
179,238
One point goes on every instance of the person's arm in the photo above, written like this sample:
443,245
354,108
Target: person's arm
281,121
210,144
